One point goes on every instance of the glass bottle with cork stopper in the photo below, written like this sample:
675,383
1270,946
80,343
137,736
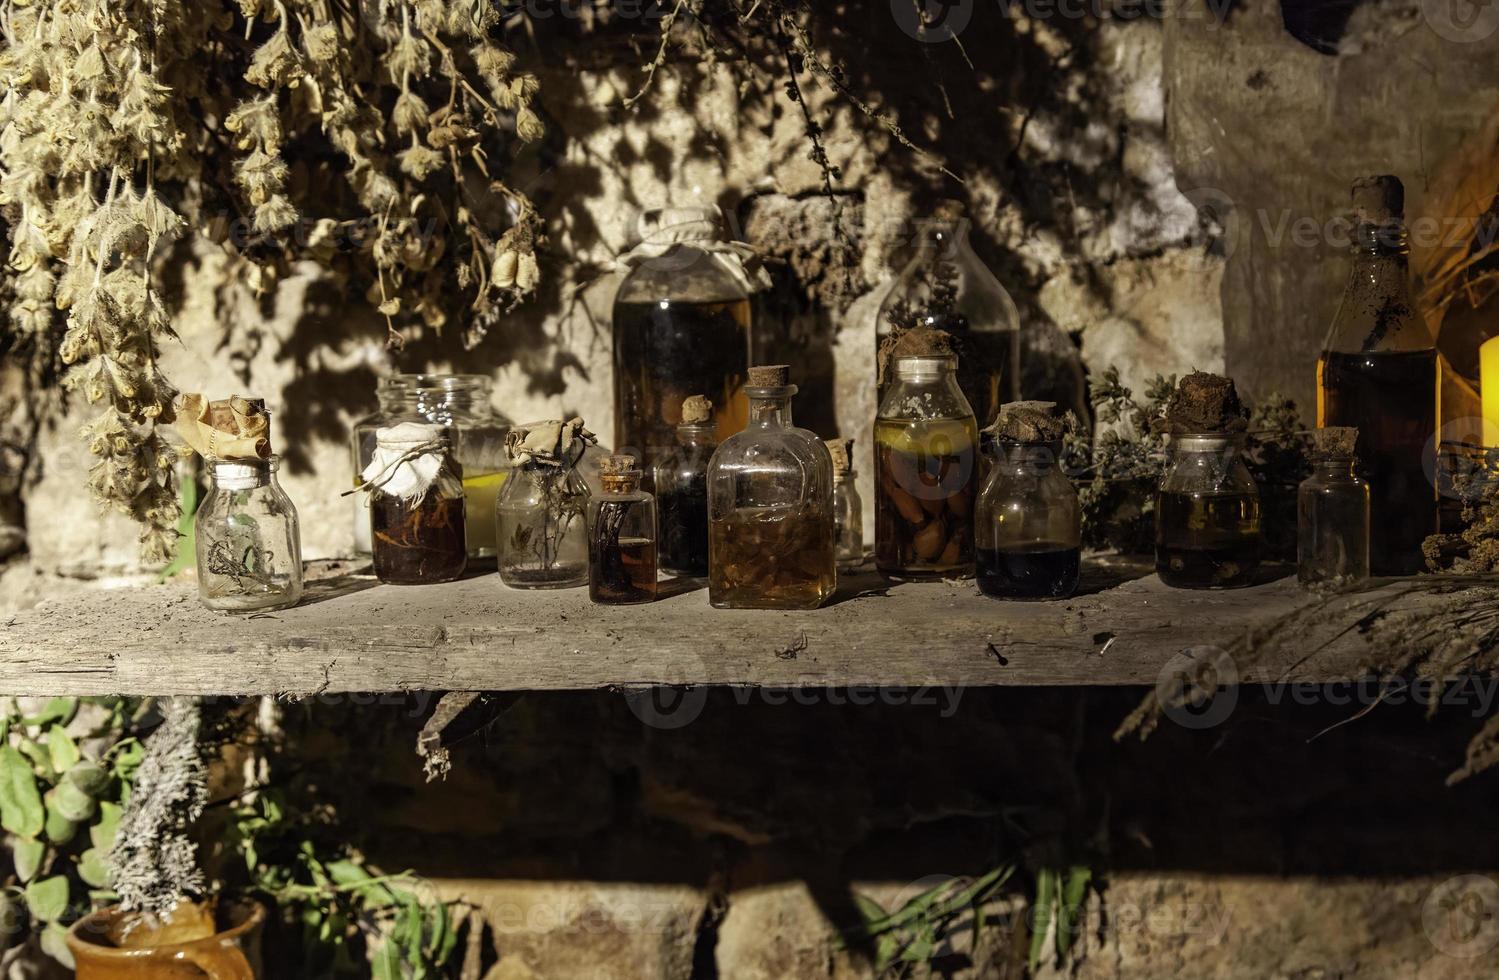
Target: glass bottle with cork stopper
1029,531
1207,518
848,509
770,507
1378,373
621,536
542,511
926,464
416,502
1332,514
246,533
682,491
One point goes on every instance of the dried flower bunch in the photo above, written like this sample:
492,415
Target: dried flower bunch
369,138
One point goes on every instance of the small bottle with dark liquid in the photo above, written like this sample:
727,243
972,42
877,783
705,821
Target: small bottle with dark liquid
621,537
416,506
1029,529
682,492
1379,374
1207,520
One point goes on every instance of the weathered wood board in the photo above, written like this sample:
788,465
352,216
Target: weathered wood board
354,635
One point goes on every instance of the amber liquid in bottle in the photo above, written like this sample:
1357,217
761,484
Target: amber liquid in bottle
1392,399
926,486
1042,571
622,570
418,544
772,560
665,351
1207,540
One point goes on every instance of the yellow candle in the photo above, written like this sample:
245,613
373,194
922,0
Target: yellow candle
1488,383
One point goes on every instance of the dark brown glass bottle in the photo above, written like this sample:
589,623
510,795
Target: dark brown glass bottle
682,493
1379,373
621,537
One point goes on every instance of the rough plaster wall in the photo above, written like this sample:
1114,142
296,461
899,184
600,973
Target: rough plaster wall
1082,221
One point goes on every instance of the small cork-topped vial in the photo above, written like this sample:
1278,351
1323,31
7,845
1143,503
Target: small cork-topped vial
621,536
682,491
770,507
848,509
1332,514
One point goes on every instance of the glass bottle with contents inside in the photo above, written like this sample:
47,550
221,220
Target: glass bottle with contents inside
247,539
944,286
1029,530
681,325
462,404
1207,518
682,492
1332,515
770,507
416,506
1378,373
848,508
621,537
543,508
926,472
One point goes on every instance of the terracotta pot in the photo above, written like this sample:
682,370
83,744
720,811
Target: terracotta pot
105,946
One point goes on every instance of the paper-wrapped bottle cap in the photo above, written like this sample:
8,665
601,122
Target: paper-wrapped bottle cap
770,376
231,428
617,464
1027,422
696,409
408,435
842,451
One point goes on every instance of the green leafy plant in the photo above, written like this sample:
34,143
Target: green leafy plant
907,939
1056,913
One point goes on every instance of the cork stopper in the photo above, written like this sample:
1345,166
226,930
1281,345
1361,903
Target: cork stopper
1204,403
842,451
696,410
1027,422
770,376
1334,441
1378,200
617,464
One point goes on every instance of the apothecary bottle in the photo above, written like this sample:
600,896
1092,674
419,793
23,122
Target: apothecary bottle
1378,373
1207,519
944,285
416,506
770,507
621,537
1029,530
848,507
247,538
543,509
682,320
926,472
682,492
1332,516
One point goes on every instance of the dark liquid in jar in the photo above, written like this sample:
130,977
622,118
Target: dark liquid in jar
1042,571
684,527
621,570
1392,399
665,351
1207,540
420,544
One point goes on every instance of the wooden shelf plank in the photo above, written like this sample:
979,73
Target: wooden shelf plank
354,635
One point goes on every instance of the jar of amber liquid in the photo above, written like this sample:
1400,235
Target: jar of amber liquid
770,508
1207,517
416,506
926,472
621,537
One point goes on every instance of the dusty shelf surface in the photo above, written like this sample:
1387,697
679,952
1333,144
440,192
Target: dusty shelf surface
352,634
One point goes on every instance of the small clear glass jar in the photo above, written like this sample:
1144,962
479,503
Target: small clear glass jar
542,522
1029,531
462,403
1332,525
681,325
926,472
770,507
248,540
416,506
681,481
1207,515
848,508
621,537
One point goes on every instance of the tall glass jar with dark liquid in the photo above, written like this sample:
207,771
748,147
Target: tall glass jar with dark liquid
681,327
1379,373
944,285
770,508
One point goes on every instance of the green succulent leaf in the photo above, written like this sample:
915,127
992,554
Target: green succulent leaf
27,854
88,776
73,803
93,869
21,810
62,749
54,943
47,899
102,833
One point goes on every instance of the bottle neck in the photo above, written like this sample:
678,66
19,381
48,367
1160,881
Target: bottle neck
1334,467
770,408
240,474
697,434
1035,458
435,396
